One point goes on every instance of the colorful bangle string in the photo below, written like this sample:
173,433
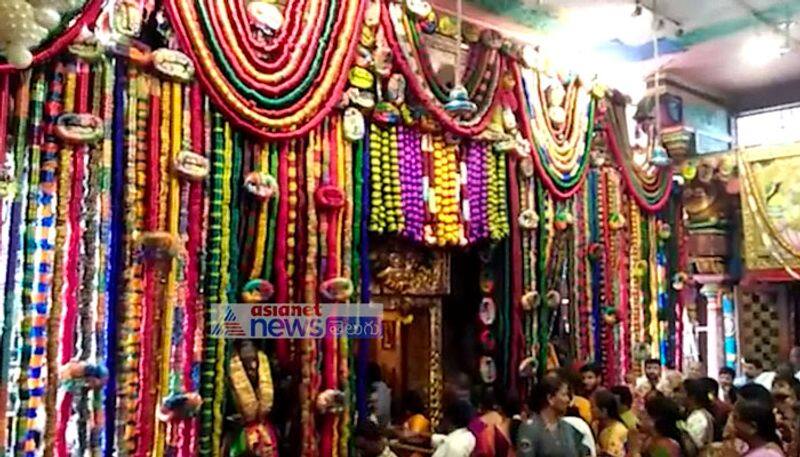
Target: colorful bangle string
54,441
16,253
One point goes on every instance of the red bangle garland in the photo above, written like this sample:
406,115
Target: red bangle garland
242,111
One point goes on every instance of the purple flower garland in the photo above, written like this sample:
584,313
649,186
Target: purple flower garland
410,150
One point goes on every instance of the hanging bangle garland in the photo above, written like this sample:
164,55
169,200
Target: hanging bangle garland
561,132
649,185
392,17
237,88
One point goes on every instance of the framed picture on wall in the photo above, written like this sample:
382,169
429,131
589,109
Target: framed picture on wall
389,339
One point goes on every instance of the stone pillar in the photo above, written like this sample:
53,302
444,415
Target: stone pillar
714,333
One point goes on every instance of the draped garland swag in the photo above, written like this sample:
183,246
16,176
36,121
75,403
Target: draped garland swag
251,157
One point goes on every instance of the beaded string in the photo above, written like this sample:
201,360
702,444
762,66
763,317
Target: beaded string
653,328
72,284
182,335
515,244
26,86
115,259
172,293
580,290
346,228
662,300
262,217
328,271
291,225
194,304
224,295
130,350
12,214
636,277
586,277
18,428
273,158
214,348
85,347
54,439
608,267
308,351
99,212
236,182
156,185
41,299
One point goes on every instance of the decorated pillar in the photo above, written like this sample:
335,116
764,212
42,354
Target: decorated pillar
715,352
729,329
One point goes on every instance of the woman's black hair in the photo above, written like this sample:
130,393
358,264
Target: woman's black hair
652,361
489,399
460,413
698,391
793,382
594,368
510,404
666,414
548,386
755,392
623,394
758,412
374,373
413,402
606,401
728,371
369,430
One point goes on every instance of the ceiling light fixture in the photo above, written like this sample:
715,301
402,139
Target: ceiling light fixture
761,49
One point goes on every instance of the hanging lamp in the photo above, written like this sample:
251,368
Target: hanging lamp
659,157
459,103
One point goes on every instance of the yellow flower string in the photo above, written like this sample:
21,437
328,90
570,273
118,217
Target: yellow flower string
635,281
345,256
263,218
176,135
652,232
133,271
291,223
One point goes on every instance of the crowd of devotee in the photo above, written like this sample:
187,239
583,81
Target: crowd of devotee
573,412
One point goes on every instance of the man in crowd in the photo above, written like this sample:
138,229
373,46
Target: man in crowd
754,374
592,376
652,376
726,389
794,359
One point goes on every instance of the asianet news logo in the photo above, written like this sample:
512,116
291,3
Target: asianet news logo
293,320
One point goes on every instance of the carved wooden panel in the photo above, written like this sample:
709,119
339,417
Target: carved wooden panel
401,268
